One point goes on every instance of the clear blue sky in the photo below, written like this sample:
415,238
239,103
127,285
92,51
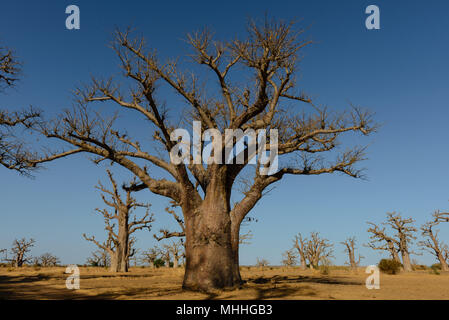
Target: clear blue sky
400,72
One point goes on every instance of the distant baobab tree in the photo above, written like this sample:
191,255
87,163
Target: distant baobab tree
119,241
318,250
150,256
432,244
398,243
99,258
313,250
176,250
19,251
47,260
261,262
300,244
254,89
290,257
166,256
350,248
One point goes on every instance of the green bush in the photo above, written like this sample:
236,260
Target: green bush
436,268
159,263
390,266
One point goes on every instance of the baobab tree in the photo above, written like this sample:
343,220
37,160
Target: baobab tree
165,233
99,258
379,240
300,244
399,243
166,256
318,250
266,98
20,249
261,262
176,250
432,243
289,258
350,249
119,241
150,256
48,260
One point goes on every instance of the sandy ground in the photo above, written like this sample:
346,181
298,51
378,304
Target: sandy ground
267,283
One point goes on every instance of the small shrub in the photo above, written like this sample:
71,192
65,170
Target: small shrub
325,268
262,263
159,263
436,268
390,266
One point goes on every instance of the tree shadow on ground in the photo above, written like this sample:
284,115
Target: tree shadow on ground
303,279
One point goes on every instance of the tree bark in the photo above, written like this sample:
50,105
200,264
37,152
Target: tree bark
123,245
406,261
211,262
444,266
175,262
235,242
303,263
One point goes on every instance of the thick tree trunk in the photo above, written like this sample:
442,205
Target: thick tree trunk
210,258
406,261
352,261
303,263
119,257
123,248
235,242
444,266
175,262
393,252
114,267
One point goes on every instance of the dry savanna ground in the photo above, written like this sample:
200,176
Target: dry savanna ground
261,283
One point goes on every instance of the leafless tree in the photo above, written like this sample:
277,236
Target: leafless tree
48,260
99,258
379,240
399,243
260,262
134,254
318,250
350,248
119,242
300,244
150,256
175,248
20,249
308,139
166,256
432,243
289,258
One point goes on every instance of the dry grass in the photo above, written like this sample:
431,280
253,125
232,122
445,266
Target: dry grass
262,283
